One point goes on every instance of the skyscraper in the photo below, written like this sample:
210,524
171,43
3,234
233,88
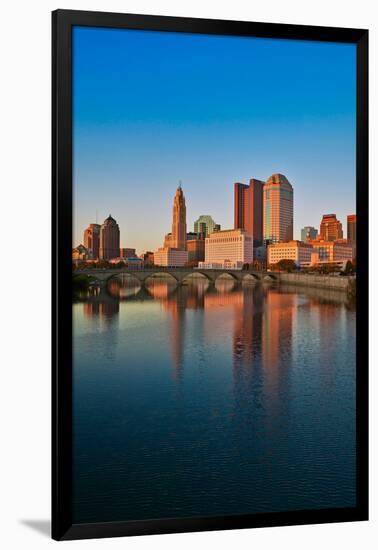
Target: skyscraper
92,239
277,210
308,233
109,239
351,227
248,209
205,224
331,228
179,221
174,252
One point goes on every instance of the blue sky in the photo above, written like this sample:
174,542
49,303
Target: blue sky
152,108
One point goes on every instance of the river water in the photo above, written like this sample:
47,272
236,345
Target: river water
206,400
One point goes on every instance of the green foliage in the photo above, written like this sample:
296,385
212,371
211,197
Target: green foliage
285,265
349,268
81,282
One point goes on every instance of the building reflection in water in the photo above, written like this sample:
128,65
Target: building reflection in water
261,320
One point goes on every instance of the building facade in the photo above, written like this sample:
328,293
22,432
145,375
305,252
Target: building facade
170,257
147,258
278,200
109,239
81,253
127,252
248,209
230,245
92,239
297,251
352,227
179,220
205,225
196,249
308,233
330,228
335,251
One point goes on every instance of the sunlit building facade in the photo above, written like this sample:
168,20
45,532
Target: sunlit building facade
297,251
248,209
179,220
352,227
196,248
109,239
92,239
332,251
308,233
205,225
174,252
229,245
278,200
171,257
331,228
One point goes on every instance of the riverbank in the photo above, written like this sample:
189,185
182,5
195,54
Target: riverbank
316,281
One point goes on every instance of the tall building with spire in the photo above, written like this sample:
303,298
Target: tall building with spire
92,239
179,220
278,210
109,239
174,252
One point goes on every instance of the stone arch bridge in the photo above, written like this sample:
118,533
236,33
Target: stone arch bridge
179,274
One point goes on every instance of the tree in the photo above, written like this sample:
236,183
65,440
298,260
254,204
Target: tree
348,268
286,265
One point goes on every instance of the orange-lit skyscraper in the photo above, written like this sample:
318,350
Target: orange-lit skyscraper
109,239
331,228
92,239
352,227
248,209
179,221
278,199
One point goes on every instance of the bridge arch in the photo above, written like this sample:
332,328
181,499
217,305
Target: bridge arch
129,275
204,276
229,276
270,277
250,277
151,275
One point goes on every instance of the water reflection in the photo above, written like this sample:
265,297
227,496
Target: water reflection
207,399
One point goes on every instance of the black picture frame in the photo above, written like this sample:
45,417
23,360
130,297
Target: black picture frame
62,23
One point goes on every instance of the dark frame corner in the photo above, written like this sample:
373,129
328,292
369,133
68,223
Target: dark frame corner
62,22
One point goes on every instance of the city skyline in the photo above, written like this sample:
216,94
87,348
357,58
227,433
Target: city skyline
169,237
132,146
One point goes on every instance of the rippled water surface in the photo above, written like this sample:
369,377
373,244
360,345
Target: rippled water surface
202,400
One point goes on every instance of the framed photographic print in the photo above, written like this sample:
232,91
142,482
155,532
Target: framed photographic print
210,270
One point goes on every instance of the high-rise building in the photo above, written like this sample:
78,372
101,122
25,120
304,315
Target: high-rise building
174,252
352,227
92,239
109,239
179,221
331,228
248,209
206,225
277,210
308,233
